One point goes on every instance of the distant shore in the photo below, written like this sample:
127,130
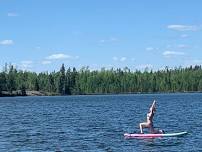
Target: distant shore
42,93
28,93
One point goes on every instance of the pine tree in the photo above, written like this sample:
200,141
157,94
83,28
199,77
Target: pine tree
61,85
2,82
11,79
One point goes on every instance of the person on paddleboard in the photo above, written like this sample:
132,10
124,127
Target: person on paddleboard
149,123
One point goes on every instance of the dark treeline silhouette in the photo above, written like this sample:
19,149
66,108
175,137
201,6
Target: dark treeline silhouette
72,82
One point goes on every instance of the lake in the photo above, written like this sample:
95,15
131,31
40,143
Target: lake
97,123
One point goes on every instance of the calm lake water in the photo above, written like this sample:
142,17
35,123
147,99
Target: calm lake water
97,123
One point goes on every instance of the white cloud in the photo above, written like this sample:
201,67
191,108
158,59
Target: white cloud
26,65
46,62
144,66
59,56
38,47
123,59
12,14
111,39
149,48
133,59
102,41
76,57
115,58
183,27
6,42
172,53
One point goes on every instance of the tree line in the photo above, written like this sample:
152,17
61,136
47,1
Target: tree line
71,81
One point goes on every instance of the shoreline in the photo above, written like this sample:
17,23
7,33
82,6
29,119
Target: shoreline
42,93
28,93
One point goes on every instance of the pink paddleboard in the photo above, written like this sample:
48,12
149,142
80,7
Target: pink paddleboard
128,135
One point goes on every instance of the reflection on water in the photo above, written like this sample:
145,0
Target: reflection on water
166,142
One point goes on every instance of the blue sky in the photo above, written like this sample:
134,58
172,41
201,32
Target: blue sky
40,35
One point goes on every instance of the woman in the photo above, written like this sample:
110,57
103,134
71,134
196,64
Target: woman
149,123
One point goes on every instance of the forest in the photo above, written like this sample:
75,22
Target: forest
70,81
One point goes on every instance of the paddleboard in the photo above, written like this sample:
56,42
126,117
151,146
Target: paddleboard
133,135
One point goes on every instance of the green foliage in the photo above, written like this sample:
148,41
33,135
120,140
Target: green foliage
84,81
3,85
62,82
11,79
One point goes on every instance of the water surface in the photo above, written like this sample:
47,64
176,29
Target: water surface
97,123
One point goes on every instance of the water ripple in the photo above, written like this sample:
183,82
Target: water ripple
97,123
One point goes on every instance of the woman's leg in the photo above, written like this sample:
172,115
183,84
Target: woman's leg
152,128
144,125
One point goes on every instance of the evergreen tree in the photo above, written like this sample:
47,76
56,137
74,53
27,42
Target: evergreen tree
61,85
101,81
36,84
2,82
68,82
11,79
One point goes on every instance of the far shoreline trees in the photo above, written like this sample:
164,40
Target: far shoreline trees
69,81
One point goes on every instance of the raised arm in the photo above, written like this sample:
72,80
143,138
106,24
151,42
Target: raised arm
153,105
